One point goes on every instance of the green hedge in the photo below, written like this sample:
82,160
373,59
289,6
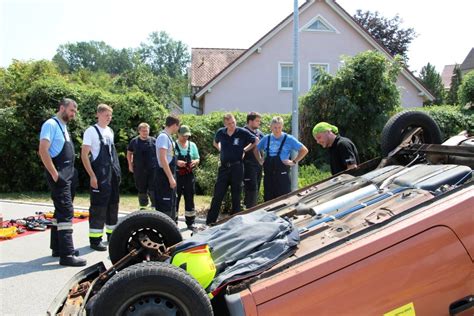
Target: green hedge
451,119
27,106
466,89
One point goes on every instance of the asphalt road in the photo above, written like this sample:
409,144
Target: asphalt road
29,277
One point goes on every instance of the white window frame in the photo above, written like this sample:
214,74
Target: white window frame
306,28
310,77
280,64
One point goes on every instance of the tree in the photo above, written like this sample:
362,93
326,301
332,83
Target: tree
466,90
432,80
387,31
93,55
359,99
456,80
164,55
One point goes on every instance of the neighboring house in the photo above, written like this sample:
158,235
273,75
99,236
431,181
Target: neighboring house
468,63
446,76
466,66
259,78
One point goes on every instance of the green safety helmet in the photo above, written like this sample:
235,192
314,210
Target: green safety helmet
197,261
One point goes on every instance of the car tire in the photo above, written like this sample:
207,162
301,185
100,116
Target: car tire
151,288
157,226
400,124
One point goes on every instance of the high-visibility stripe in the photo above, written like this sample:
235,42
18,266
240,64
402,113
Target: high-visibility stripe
110,227
189,213
64,226
108,231
96,235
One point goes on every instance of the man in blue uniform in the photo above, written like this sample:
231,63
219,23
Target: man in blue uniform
57,154
232,142
142,162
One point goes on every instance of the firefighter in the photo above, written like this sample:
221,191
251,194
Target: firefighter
100,160
165,199
187,156
56,151
233,143
252,167
141,157
278,147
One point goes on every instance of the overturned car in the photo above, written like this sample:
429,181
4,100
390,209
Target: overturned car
394,236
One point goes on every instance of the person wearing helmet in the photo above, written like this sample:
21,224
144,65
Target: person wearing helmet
187,156
343,153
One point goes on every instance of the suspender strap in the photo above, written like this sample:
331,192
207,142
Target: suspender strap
281,145
279,149
60,127
188,152
268,145
171,142
100,135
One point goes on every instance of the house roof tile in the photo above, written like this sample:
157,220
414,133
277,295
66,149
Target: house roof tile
468,63
446,75
206,63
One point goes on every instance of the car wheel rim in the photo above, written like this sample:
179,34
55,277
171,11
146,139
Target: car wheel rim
154,304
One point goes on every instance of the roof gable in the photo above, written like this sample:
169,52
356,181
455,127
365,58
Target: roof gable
289,19
468,63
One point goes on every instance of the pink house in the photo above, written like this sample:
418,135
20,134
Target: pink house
259,78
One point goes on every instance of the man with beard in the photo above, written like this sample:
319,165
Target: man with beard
57,154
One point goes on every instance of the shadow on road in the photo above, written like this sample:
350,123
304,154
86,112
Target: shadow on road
48,263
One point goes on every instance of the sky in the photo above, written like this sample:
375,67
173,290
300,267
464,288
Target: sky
33,29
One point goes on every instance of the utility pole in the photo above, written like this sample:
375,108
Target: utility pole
294,111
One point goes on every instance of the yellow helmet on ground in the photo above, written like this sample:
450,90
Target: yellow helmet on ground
197,261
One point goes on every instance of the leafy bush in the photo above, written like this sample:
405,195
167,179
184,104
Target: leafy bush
33,92
206,174
451,119
466,90
359,99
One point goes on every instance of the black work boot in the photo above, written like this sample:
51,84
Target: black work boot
56,253
99,247
72,261
143,201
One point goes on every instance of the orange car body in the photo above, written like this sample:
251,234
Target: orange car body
419,264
